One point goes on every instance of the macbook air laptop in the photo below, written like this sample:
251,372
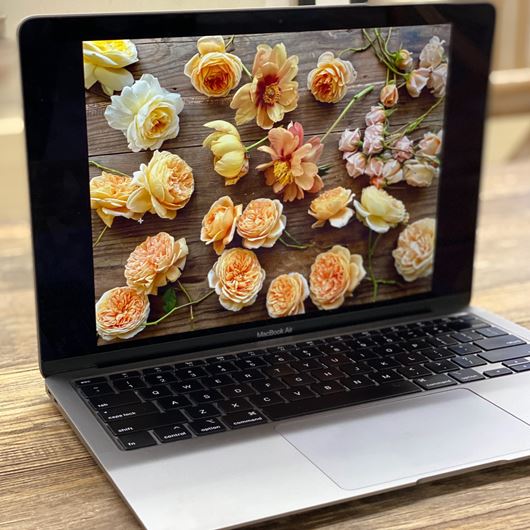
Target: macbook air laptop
253,235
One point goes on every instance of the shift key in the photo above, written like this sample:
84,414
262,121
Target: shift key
496,343
147,422
506,354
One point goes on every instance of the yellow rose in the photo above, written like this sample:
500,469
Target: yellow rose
332,206
219,224
379,211
108,196
237,278
104,61
156,261
329,81
286,295
230,155
414,254
213,72
121,313
166,185
334,275
261,223
145,113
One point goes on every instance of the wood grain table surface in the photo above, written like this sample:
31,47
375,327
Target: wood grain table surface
49,481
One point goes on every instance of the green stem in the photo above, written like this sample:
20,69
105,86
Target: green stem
290,245
105,228
381,57
108,169
354,50
371,248
229,42
413,125
354,99
187,294
163,317
324,168
247,71
259,142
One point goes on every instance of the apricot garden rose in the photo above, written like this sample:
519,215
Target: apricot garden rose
219,224
389,95
419,173
332,205
286,295
329,81
261,223
430,144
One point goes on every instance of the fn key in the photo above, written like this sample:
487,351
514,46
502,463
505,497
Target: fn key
136,440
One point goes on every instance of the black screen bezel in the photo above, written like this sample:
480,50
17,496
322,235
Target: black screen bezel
54,108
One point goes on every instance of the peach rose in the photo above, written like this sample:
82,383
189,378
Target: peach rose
334,275
349,141
108,196
286,295
219,224
213,72
332,206
389,95
402,149
404,60
414,254
392,172
166,185
430,144
121,313
355,164
416,81
329,81
261,223
156,261
373,139
375,115
419,173
237,278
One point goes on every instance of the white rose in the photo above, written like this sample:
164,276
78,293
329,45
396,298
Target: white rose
146,113
432,54
419,173
438,80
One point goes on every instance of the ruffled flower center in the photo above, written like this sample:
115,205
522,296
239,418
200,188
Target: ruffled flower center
271,93
282,172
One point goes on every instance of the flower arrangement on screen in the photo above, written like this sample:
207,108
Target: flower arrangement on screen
148,114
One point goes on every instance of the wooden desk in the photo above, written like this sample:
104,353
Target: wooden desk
48,480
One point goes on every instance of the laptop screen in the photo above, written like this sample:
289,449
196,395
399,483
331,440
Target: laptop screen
240,179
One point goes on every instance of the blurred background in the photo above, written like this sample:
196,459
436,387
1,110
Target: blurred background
508,127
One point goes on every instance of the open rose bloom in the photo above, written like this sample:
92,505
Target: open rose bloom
121,313
219,224
414,254
332,206
334,275
419,172
155,262
237,278
213,72
286,295
329,81
165,185
272,92
108,196
293,168
261,223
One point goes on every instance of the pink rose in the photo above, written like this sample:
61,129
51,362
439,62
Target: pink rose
349,141
375,116
392,172
402,149
416,81
355,164
389,95
374,167
430,144
373,139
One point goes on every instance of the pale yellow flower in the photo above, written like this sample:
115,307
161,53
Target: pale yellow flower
329,81
379,211
332,205
261,223
286,295
219,224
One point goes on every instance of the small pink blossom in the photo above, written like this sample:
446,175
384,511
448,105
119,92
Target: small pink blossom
355,164
375,115
373,139
392,172
402,149
349,141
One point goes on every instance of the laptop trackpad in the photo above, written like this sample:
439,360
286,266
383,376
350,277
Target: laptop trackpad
409,439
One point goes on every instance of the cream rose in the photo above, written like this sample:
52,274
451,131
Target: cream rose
419,173
166,185
121,313
355,164
286,295
156,261
332,206
432,53
261,223
389,95
430,144
334,275
349,141
237,278
145,113
219,224
392,172
379,211
416,81
404,60
438,81
414,253
329,81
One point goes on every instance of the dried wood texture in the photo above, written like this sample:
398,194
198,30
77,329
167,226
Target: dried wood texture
165,58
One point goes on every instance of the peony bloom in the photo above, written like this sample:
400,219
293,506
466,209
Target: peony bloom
416,81
355,164
349,141
156,261
104,61
230,155
379,211
213,72
329,81
121,313
334,275
419,173
332,205
219,224
392,172
286,295
237,278
108,196
389,95
438,81
432,54
145,113
293,168
272,92
166,185
373,139
430,144
375,116
402,149
261,223
414,253
404,60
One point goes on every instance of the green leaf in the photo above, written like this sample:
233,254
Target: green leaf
170,300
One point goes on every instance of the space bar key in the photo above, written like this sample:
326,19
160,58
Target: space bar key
343,399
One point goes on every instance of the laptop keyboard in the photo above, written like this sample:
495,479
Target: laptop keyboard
161,404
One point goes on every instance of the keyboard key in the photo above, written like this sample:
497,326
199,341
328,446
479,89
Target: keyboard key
160,379
278,358
206,396
154,392
464,349
306,365
172,433
357,382
124,375
129,384
466,375
327,374
268,398
516,362
497,372
280,349
90,381
223,367
279,370
383,363
251,353
185,374
330,387
430,382
220,380
248,418
248,375
413,371
302,379
414,345
136,440
252,362
469,361
146,422
439,367
99,389
157,370
362,355
355,369
306,353
500,342
506,354
385,376
186,386
189,364
201,412
466,336
234,405
435,354
296,394
442,340
268,385
334,360
127,411
389,349
234,391
174,402
114,400
204,427
521,367
491,332
411,358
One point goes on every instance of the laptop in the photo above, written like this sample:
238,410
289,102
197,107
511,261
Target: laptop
253,235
